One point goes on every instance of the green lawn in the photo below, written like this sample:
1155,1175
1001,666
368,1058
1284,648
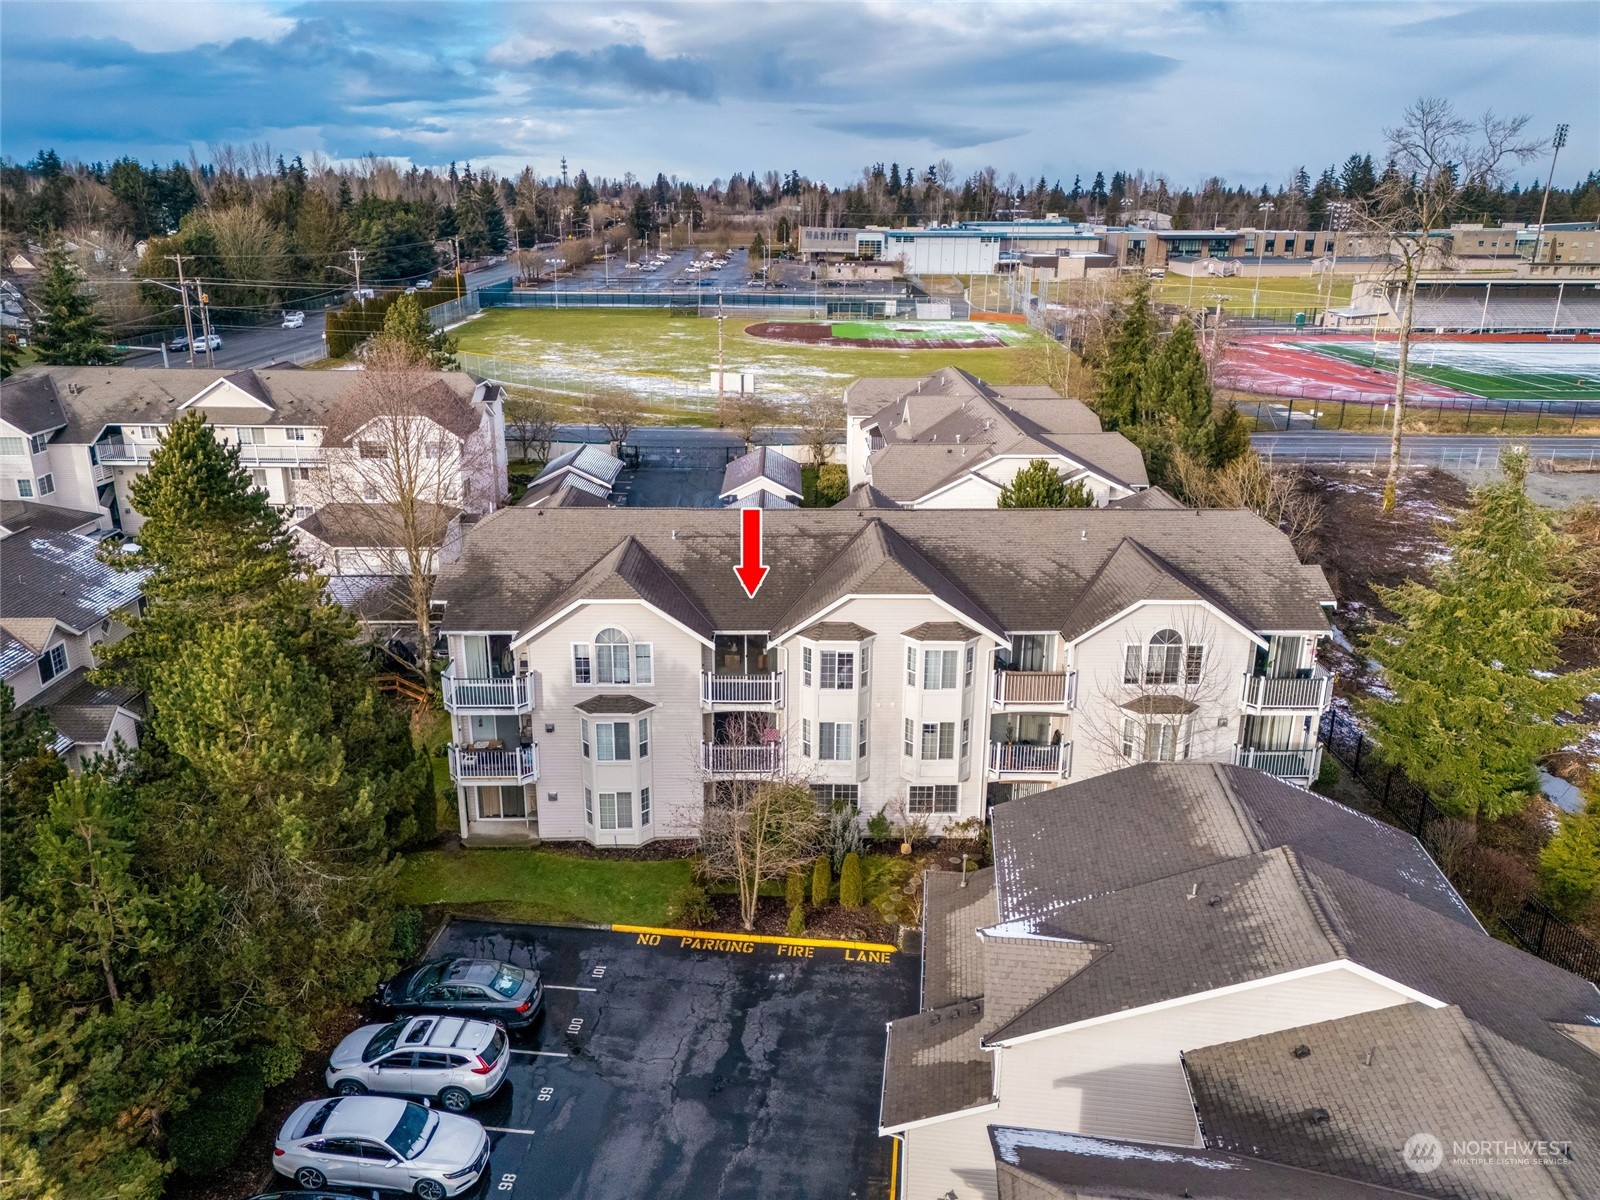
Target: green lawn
543,885
1277,292
668,360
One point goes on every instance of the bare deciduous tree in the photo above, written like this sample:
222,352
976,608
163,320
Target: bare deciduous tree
1282,496
755,831
616,412
531,424
821,422
1435,156
748,412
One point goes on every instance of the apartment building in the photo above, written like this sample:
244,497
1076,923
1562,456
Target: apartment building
950,440
58,602
927,663
1186,980
79,436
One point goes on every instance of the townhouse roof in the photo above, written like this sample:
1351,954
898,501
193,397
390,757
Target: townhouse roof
84,400
50,575
864,495
761,498
762,463
997,570
1151,497
630,572
611,703
1343,1097
84,712
1040,1164
591,460
935,1065
18,515
566,489
354,524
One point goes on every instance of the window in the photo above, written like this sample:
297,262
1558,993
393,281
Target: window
25,489
583,732
1288,245
582,669
938,669
1194,660
616,810
644,737
11,447
369,492
972,657
258,479
866,666
1157,741
47,484
805,665
247,437
611,741
644,807
861,739
53,663
643,663
303,474
291,434
1130,734
611,653
829,794
148,433
911,666
833,740
805,736
938,740
940,798
372,450
966,737
1271,242
1165,653
910,747
588,807
838,670
37,442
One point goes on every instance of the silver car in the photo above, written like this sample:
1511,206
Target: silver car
453,1059
379,1142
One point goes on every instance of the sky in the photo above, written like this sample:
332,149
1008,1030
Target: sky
1247,91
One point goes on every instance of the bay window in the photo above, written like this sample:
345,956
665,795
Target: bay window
938,669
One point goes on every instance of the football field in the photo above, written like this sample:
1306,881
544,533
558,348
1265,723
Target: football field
1492,370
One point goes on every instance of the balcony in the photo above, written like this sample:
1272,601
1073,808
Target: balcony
1292,766
292,454
1008,759
758,758
741,691
121,454
515,764
1048,689
1309,693
488,695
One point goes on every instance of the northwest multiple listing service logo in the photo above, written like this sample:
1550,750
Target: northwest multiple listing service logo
1423,1152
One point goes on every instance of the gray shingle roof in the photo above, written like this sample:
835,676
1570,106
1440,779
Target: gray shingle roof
941,631
29,401
1151,497
355,524
952,955
835,631
763,463
47,574
935,1066
1039,1164
14,654
864,495
1344,1096
615,704
17,515
1135,572
1029,567
82,711
630,571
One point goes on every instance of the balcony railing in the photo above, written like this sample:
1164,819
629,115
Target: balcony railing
1020,758
1294,765
516,764
462,693
758,758
130,454
1036,687
1310,692
741,689
121,454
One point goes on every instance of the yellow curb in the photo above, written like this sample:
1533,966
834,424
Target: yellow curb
701,934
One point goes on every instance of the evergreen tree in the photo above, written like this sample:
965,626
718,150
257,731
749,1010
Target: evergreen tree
1130,346
70,332
1179,387
642,216
1469,655
1569,863
10,355
406,323
1039,485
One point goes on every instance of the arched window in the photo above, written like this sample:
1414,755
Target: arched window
1163,658
612,657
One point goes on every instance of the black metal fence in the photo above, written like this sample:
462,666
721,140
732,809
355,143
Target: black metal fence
1530,923
1310,406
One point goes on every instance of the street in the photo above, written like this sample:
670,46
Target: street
1441,450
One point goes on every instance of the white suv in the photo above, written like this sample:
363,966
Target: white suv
453,1059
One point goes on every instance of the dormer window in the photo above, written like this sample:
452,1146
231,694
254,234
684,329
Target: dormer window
53,663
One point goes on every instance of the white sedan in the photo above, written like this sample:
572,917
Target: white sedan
378,1142
293,320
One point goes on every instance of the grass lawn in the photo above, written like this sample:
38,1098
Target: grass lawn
668,361
1277,292
529,884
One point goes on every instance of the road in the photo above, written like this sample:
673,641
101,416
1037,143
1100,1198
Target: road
1444,450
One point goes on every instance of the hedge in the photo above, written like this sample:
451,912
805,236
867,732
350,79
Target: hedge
206,1135
821,882
850,881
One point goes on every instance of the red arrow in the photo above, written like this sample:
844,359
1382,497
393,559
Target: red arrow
751,570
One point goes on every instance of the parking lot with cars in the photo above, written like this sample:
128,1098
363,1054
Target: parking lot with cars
673,1064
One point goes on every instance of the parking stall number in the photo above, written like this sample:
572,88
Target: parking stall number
507,1183
546,1094
575,1025
598,973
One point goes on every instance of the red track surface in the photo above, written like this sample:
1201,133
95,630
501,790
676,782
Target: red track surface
1275,369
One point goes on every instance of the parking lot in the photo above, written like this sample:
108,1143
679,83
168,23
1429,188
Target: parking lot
690,1065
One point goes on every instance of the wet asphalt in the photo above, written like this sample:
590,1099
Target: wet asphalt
706,1069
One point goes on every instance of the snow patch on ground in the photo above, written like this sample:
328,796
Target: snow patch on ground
1009,1141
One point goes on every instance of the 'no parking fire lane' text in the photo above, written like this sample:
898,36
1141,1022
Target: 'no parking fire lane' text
817,948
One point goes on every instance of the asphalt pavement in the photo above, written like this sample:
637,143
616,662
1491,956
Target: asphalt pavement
687,1066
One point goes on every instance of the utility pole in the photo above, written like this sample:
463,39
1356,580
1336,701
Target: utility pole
455,257
205,321
1556,143
720,419
1261,248
356,256
183,289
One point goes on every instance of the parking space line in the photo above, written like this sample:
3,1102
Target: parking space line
503,1129
556,987
543,1053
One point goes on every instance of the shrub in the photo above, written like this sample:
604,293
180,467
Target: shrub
1496,882
1569,864
797,920
844,836
879,827
833,484
794,891
1327,773
690,907
278,1063
206,1135
821,882
850,881
407,941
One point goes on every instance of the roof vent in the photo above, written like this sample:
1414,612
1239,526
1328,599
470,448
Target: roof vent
1214,901
1301,1051
1083,535
1319,1116
674,535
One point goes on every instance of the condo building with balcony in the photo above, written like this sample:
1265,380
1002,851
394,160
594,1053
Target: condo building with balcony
78,437
607,670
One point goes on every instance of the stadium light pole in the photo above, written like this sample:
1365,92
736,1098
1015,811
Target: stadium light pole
1261,249
1556,143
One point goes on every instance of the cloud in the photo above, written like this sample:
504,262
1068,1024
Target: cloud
630,69
940,136
1536,18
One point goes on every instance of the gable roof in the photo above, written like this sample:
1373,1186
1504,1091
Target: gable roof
763,463
17,515
864,495
57,576
1133,573
517,563
1151,497
761,498
592,461
630,572
356,524
30,402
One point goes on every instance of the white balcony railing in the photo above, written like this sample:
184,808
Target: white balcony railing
1055,688
741,689
1020,758
132,454
461,693
1311,692
759,758
1294,765
515,764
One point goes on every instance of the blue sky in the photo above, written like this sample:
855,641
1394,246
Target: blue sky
1248,91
